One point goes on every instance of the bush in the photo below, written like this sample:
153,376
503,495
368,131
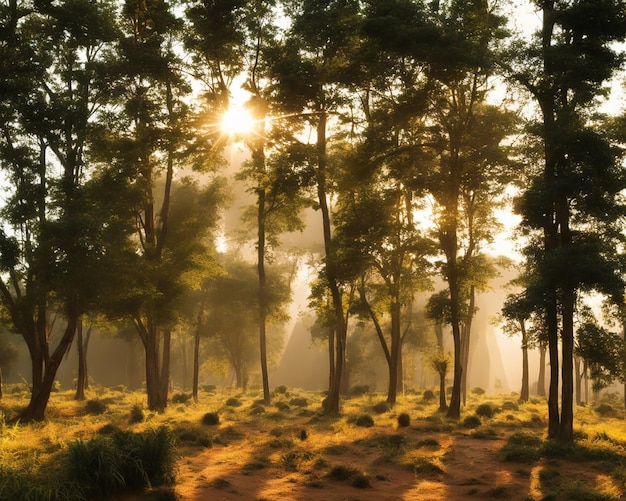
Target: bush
381,407
510,406
478,391
605,410
209,388
136,414
211,419
486,410
281,389
233,402
282,406
471,422
404,420
358,390
364,421
95,407
428,395
299,402
181,398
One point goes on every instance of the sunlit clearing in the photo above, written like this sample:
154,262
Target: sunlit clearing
237,121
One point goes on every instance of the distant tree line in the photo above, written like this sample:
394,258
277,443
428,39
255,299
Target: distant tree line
384,116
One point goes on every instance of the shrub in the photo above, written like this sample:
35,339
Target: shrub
358,390
181,398
477,390
96,464
605,410
471,422
522,448
428,395
136,414
486,410
364,421
281,389
282,406
404,420
95,407
211,419
299,402
381,407
209,388
233,402
510,406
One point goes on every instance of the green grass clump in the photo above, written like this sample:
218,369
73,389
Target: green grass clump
428,396
181,398
522,447
95,407
487,410
364,420
233,402
404,420
358,390
471,422
381,407
477,390
299,402
354,476
136,414
211,419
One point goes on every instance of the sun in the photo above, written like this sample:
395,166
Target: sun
237,121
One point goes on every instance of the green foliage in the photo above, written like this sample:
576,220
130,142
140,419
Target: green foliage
136,414
95,407
522,447
428,396
471,422
358,390
181,398
211,419
486,409
233,402
404,420
381,407
364,420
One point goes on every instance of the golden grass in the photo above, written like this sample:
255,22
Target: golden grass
298,438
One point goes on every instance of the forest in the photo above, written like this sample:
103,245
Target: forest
172,171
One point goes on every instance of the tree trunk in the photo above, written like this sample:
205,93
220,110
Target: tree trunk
1,383
578,376
541,378
164,374
566,431
196,360
553,390
80,382
39,398
331,403
443,404
395,353
525,391
262,284
465,343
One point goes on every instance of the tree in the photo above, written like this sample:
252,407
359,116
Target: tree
232,299
56,62
572,203
312,68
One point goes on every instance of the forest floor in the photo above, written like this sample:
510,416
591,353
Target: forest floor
266,458
288,451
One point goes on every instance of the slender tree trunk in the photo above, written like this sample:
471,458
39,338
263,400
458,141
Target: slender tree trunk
443,404
80,383
553,390
395,353
332,401
465,343
541,378
566,431
1,384
525,391
578,376
196,360
164,375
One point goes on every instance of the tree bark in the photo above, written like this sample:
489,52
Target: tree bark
541,377
525,391
80,381
196,360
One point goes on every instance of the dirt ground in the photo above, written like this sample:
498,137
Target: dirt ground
470,469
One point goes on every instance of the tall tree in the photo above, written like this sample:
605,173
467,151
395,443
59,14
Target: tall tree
312,68
52,91
572,204
153,138
472,164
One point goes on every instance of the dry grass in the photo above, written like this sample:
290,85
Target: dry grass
298,443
